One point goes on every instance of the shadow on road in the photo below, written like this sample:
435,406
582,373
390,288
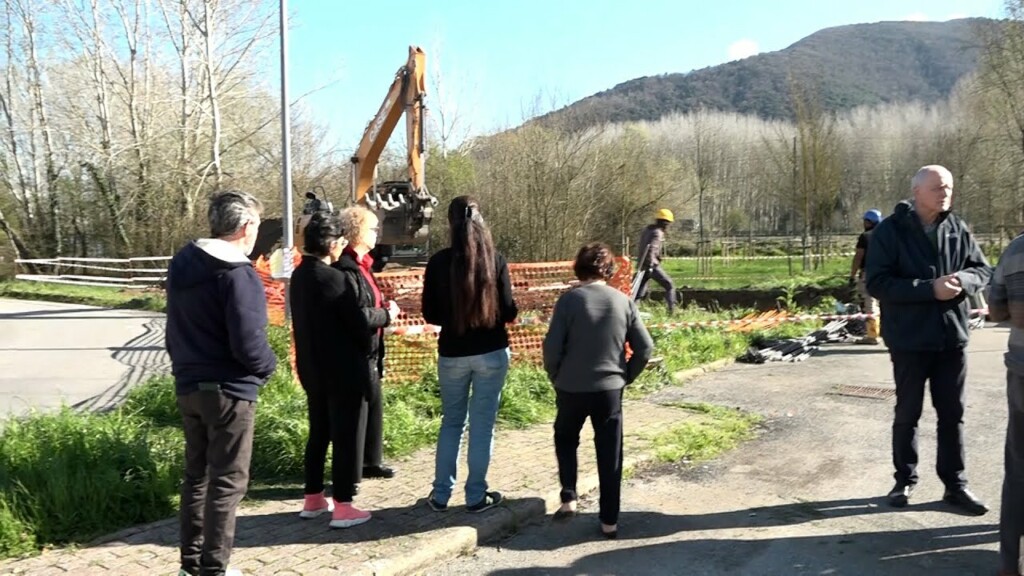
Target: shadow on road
144,356
945,551
285,528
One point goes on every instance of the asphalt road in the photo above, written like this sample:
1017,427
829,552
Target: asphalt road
53,354
806,497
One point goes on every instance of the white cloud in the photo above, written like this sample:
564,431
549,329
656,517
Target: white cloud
917,17
957,16
741,49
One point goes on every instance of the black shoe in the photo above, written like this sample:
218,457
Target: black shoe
378,472
434,504
491,499
899,496
963,498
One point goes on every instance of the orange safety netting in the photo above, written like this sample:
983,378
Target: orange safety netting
412,344
759,321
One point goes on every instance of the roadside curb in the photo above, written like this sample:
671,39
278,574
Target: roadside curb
691,373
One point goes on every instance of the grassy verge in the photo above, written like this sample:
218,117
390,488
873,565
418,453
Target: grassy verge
138,299
67,477
757,274
713,430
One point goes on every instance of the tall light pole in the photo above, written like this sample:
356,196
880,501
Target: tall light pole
286,171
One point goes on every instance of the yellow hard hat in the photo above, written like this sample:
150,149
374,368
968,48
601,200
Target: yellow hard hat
664,214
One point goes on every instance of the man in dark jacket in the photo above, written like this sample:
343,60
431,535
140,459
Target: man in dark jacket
217,341
922,265
649,257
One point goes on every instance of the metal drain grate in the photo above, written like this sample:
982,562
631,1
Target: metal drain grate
865,391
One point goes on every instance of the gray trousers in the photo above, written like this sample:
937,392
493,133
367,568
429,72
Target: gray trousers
1011,518
218,449
659,276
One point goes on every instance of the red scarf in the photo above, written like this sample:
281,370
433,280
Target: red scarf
365,263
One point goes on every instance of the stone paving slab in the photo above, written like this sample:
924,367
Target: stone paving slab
404,535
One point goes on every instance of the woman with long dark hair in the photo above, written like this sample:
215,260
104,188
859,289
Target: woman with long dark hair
585,358
468,293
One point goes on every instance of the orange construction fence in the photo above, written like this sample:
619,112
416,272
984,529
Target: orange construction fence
412,343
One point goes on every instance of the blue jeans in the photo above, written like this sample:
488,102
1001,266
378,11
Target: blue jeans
469,384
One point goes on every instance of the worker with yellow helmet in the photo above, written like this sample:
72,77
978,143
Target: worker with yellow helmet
649,257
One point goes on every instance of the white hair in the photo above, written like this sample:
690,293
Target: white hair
925,171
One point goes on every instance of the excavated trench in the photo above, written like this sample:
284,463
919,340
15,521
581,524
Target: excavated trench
757,299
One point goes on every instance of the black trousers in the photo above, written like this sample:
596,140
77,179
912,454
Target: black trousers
333,419
372,432
605,412
946,373
218,449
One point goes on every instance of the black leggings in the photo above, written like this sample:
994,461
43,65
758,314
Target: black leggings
332,419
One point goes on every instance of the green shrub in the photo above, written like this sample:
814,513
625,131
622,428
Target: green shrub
527,398
16,538
70,475
412,414
281,428
155,401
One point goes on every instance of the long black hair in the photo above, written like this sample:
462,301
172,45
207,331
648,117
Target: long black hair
473,273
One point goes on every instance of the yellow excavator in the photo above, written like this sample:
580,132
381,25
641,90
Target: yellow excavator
404,207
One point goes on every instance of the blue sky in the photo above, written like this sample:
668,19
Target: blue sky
501,61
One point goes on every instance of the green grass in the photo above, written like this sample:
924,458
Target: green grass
72,476
758,274
89,295
712,430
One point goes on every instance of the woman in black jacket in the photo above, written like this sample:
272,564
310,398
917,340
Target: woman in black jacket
363,357
319,298
467,292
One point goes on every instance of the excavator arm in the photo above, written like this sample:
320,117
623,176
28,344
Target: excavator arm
405,208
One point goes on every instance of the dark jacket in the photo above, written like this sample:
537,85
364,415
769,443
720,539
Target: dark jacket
437,309
902,262
316,293
651,241
361,355
217,320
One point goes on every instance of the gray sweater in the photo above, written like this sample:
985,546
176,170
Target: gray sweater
584,349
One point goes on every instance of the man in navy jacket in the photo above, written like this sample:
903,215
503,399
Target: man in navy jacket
922,265
217,341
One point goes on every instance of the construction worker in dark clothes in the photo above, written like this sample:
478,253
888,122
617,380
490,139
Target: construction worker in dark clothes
649,258
923,264
868,303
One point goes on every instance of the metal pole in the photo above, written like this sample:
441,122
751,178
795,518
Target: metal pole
286,152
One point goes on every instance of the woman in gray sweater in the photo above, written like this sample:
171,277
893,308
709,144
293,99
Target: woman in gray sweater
585,358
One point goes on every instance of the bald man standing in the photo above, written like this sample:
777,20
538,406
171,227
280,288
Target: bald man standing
922,265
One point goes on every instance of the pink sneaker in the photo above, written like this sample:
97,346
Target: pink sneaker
315,505
346,515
